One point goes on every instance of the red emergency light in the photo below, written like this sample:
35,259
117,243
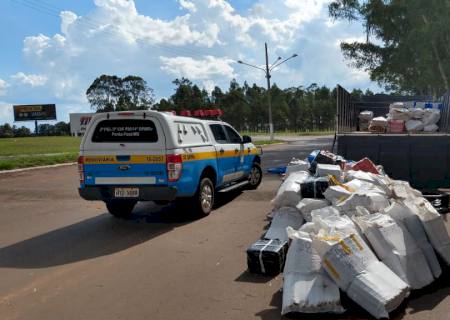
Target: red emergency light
185,113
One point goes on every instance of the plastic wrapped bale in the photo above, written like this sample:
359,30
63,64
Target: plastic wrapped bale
306,286
403,190
396,247
267,256
283,218
305,206
336,194
404,216
288,195
356,270
324,170
296,165
381,181
378,125
372,201
433,224
364,186
314,187
399,113
329,219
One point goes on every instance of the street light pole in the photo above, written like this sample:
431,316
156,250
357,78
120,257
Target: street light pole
267,70
269,99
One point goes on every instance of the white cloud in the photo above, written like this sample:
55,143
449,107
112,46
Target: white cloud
3,86
200,43
198,69
33,80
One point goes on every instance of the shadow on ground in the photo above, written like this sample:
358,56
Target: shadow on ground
100,235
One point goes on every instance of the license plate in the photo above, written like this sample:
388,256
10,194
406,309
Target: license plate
126,192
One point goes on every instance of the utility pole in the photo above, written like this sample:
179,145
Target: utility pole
269,99
267,70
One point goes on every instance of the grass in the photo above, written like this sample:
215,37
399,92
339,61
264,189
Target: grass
37,151
291,133
41,151
264,142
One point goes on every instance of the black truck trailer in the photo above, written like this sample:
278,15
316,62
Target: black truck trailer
423,159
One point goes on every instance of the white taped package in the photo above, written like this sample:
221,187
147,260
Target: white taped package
417,113
296,165
336,194
383,182
433,224
288,195
283,218
323,170
366,115
404,216
403,190
372,201
414,125
305,206
364,186
330,220
306,286
396,247
356,270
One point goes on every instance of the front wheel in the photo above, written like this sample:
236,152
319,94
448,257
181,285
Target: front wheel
204,198
120,208
255,177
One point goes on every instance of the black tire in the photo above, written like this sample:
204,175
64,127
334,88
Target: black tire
120,208
203,200
255,177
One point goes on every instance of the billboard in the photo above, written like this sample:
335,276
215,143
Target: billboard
34,112
79,122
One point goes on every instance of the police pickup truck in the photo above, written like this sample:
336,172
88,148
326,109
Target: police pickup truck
132,156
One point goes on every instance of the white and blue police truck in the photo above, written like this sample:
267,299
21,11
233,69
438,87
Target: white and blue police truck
132,156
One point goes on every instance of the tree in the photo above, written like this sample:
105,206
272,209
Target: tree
412,51
6,131
21,131
111,93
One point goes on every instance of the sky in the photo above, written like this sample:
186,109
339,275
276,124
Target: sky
52,50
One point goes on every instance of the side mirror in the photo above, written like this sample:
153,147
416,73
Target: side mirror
246,139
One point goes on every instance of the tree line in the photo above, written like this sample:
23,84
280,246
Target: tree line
245,106
59,129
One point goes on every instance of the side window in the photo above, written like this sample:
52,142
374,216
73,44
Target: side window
219,133
233,135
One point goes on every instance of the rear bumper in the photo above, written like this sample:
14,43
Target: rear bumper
146,193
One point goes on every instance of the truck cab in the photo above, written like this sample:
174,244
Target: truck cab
132,156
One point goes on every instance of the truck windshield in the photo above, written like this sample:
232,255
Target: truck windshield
126,130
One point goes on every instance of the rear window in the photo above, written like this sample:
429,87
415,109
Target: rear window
126,130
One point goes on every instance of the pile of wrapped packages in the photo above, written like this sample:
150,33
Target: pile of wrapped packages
340,226
403,117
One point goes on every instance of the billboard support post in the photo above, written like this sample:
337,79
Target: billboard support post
36,127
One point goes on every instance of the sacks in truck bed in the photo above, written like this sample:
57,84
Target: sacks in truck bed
283,218
396,247
306,286
267,256
336,194
288,194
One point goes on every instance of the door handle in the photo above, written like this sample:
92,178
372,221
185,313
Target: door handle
221,151
236,150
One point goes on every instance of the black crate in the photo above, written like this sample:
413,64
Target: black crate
314,187
267,256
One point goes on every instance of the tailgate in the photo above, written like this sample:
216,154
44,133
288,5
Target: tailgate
125,151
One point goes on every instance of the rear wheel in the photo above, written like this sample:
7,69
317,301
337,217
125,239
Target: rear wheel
120,208
204,198
255,177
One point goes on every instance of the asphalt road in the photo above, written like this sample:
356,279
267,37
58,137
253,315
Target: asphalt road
65,258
